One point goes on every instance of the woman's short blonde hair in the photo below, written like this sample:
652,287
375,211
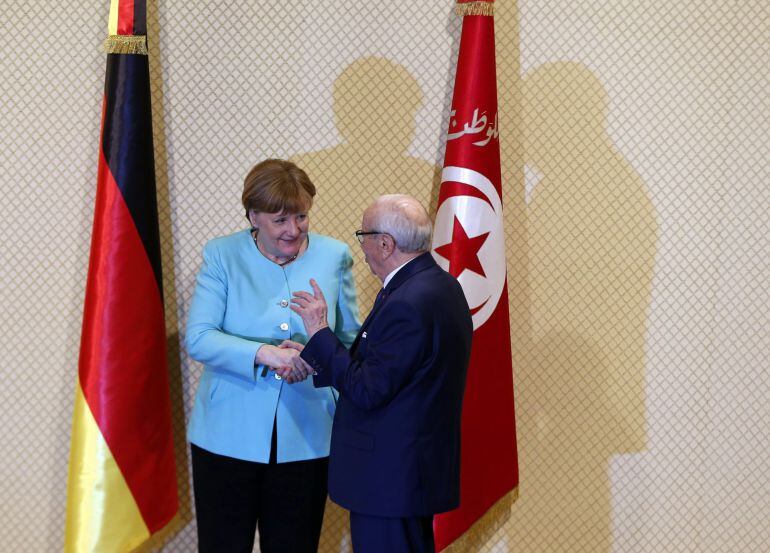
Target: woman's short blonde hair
277,185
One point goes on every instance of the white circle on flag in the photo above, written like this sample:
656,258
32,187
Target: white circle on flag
477,217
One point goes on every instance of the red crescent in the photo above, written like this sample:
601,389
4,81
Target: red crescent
450,189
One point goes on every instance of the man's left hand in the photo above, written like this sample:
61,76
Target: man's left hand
312,308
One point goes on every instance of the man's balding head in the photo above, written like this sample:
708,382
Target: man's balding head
403,218
396,230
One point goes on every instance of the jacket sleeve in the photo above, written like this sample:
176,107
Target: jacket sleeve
393,354
347,321
206,341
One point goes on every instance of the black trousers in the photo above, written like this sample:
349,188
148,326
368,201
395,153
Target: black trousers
233,497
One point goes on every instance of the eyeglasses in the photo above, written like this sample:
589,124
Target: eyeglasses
361,233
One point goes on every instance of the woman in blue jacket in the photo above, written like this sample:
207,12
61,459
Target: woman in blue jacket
260,443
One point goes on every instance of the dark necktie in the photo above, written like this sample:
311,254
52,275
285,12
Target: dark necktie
378,300
380,296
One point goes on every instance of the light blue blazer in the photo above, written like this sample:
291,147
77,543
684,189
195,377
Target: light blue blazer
241,302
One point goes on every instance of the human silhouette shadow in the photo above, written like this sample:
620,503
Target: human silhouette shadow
375,104
592,237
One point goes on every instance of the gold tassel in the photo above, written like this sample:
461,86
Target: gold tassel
126,44
475,8
483,529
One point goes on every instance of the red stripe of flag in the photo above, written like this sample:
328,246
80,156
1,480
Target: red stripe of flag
125,17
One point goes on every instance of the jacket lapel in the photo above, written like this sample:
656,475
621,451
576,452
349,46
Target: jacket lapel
381,298
418,264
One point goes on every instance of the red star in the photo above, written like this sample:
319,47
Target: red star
463,252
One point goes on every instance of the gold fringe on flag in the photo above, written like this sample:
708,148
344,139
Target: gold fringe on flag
484,528
475,8
126,44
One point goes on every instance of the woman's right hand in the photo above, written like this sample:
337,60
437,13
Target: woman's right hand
285,361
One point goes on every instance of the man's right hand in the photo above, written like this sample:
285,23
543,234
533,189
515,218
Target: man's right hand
300,365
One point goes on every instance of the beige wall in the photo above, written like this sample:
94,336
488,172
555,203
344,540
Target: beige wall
634,140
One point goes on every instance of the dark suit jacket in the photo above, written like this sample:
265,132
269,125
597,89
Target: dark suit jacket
395,449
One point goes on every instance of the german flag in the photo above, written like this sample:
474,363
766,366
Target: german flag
122,476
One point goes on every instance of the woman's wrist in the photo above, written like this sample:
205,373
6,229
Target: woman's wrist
263,357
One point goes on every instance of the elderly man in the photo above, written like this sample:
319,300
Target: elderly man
395,447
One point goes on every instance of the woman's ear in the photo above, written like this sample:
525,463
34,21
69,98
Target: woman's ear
253,218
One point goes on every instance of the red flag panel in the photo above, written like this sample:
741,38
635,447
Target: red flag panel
468,242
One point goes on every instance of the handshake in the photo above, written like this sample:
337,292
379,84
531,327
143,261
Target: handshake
285,361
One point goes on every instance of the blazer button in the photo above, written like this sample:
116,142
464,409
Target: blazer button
277,376
284,326
284,303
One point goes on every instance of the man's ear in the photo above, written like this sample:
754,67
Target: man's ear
387,244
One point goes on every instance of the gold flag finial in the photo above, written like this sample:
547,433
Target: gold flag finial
479,7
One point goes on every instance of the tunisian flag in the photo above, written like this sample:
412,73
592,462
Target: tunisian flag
468,242
122,476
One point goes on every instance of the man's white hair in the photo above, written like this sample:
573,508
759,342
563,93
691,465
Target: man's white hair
405,219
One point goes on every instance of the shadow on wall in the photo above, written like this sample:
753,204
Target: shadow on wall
592,236
375,104
591,245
